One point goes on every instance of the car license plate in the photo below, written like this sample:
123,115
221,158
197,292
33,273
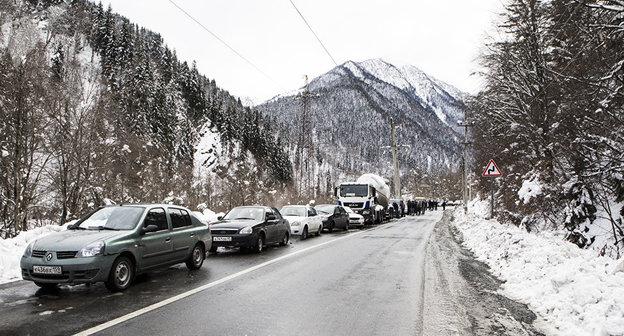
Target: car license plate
221,238
47,269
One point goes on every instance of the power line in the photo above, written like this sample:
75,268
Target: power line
225,43
315,35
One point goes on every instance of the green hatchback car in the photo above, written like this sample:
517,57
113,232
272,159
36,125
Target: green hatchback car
114,244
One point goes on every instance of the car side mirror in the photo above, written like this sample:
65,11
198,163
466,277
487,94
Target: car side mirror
149,228
219,217
271,218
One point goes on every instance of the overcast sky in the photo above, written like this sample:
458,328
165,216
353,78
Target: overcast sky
441,37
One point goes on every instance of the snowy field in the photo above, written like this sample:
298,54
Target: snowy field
574,291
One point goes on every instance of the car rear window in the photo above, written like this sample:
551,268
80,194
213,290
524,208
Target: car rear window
179,218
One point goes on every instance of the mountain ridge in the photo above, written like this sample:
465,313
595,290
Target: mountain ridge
373,92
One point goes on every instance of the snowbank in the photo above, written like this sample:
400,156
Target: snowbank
11,250
573,290
207,215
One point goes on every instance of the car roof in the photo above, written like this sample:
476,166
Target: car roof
152,205
252,207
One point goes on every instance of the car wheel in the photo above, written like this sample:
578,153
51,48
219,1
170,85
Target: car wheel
121,274
304,233
330,228
47,286
259,244
196,259
285,239
346,227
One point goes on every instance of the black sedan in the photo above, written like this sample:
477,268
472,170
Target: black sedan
250,228
336,217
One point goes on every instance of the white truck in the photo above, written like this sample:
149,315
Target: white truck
368,196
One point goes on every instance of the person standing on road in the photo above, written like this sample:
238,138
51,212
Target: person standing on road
443,205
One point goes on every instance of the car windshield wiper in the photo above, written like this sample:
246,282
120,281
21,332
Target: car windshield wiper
75,227
244,218
105,228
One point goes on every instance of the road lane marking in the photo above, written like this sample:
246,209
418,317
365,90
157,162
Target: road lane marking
181,296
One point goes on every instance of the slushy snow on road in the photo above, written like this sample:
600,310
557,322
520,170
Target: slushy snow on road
575,291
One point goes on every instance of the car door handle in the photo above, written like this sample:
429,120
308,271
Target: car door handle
192,235
168,240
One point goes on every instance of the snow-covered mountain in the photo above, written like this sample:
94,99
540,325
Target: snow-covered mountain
350,111
444,99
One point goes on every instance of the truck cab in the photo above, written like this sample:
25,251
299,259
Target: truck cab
362,199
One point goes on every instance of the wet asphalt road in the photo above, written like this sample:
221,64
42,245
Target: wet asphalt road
400,278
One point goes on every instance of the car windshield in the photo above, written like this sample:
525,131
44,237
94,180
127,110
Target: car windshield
354,190
244,213
294,211
325,209
113,218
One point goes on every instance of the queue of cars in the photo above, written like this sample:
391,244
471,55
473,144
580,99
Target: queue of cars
114,244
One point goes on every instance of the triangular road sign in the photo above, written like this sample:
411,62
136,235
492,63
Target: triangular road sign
492,170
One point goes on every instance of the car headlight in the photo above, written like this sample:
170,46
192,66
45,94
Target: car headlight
91,250
295,223
246,230
29,248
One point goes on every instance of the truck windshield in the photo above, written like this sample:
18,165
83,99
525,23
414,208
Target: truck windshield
354,190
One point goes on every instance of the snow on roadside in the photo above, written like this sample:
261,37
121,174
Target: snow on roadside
206,214
574,291
11,250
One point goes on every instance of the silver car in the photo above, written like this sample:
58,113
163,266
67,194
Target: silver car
114,244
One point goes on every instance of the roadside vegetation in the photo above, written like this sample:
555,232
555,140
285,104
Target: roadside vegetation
552,116
93,107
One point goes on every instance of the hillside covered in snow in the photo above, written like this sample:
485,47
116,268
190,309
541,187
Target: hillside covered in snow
348,121
95,107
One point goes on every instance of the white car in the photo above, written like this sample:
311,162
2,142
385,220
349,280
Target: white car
303,220
354,218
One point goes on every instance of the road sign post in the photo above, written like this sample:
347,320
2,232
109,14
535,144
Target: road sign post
492,199
492,171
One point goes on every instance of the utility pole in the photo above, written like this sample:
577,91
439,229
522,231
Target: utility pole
466,125
395,160
305,148
396,180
